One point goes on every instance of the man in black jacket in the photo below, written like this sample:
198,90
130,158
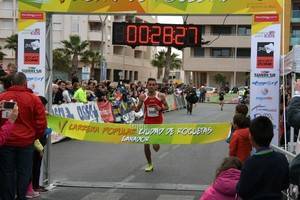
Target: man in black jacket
293,110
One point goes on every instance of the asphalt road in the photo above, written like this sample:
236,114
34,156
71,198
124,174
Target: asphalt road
116,172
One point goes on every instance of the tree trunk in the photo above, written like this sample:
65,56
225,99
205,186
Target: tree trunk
74,66
168,64
92,70
159,72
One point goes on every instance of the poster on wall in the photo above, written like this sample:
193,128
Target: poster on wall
265,70
31,50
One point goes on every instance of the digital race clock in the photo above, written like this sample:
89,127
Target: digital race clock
145,34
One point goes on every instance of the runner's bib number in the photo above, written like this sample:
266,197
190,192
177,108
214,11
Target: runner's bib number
152,112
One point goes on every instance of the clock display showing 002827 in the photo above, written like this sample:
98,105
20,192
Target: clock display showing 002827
145,34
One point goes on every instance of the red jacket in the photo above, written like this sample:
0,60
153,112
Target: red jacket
240,145
5,131
31,121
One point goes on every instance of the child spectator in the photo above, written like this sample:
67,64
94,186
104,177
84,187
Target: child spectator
240,145
227,177
242,109
266,173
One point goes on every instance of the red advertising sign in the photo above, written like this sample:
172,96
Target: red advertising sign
32,15
266,18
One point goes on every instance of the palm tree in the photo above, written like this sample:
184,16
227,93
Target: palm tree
159,62
12,43
92,58
75,48
1,54
61,61
166,60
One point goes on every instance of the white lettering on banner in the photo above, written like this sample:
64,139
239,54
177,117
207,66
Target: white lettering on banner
79,111
136,139
88,112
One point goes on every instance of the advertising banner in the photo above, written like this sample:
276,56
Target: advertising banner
139,133
265,69
79,111
154,7
106,111
31,50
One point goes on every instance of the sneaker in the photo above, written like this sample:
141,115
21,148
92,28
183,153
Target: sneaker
149,168
31,195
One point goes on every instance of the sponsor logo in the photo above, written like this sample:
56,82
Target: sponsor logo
32,51
264,83
35,78
264,91
264,74
270,34
266,18
264,98
36,31
262,108
32,15
269,115
265,55
31,70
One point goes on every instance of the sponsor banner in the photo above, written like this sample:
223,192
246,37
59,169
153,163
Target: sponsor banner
139,133
87,112
106,111
265,69
31,50
79,111
157,7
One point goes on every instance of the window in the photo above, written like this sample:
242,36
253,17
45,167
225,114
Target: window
198,52
57,26
243,53
136,77
222,30
118,50
295,31
75,24
221,52
95,26
130,75
244,30
138,54
6,24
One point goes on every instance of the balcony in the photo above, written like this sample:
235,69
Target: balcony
95,36
295,41
217,64
4,33
296,16
6,13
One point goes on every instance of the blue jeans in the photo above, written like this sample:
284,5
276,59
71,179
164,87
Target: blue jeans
15,171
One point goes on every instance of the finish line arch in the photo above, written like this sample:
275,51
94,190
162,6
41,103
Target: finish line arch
35,40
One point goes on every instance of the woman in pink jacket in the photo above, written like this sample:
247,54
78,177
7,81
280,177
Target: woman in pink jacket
227,177
6,128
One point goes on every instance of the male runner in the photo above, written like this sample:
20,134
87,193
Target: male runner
154,104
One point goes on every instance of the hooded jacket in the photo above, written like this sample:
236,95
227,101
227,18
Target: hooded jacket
240,145
31,122
224,187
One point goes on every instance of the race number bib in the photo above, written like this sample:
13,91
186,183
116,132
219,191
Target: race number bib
152,112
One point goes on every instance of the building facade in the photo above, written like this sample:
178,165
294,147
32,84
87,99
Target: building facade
8,27
227,53
295,24
123,62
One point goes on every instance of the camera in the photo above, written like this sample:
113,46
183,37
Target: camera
9,105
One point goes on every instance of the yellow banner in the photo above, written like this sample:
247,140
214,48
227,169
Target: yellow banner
139,133
154,6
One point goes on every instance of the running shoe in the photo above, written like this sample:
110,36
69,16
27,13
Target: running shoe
149,168
31,195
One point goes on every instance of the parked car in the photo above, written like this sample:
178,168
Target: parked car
210,90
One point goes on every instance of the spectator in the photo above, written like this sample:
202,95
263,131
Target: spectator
239,109
266,173
81,95
293,110
7,127
240,145
227,177
16,155
54,91
58,98
67,93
